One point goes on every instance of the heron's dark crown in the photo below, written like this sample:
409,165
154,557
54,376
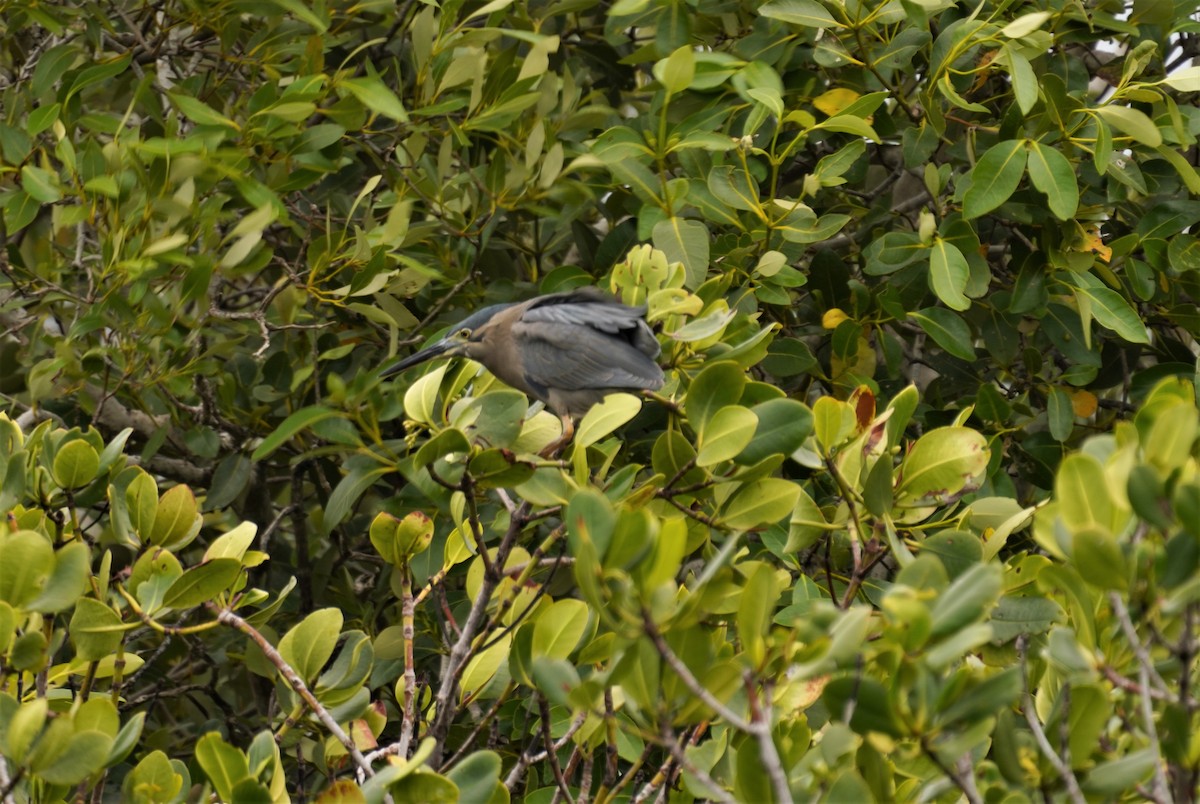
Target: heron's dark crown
478,318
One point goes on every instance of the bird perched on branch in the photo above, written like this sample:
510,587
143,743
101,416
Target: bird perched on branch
568,350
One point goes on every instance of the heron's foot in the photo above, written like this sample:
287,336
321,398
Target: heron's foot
555,447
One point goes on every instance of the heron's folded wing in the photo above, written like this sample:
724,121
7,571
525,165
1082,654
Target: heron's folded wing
627,323
574,357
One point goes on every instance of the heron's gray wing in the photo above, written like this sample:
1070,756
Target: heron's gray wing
609,317
574,357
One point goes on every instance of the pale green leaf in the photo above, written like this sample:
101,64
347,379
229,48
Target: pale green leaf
614,411
1132,122
948,274
808,13
685,241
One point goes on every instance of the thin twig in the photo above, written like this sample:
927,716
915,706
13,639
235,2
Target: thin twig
766,743
551,750
714,790
529,757
408,725
685,675
1161,790
296,683
1039,734
7,782
965,785
758,726
461,649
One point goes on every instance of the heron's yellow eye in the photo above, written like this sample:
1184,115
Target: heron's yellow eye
464,333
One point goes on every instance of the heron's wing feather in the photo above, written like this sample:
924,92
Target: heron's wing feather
611,318
575,357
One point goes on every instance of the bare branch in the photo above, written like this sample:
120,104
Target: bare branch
296,683
1039,734
1161,790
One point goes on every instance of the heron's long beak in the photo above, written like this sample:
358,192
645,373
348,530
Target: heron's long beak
446,346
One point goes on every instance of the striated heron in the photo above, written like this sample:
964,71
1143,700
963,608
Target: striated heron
568,350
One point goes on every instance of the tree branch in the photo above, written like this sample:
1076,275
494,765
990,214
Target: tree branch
293,679
1039,734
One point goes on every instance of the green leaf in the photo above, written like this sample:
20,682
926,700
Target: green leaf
807,13
555,678
19,210
559,627
310,643
1060,414
26,561
201,113
755,609
684,241
1113,311
375,95
346,494
68,580
23,727
203,583
73,760
948,330
716,386
490,7
398,540
760,503
967,600
1025,24
175,516
725,435
297,422
1082,493
707,326
677,70
783,425
96,629
1031,616
994,178
303,12
477,776
1098,557
803,227
420,400
1132,122
154,773
1117,776
223,764
1024,79
96,74
941,465
482,667
40,184
126,740
1184,79
734,187
1186,170
141,501
948,274
1053,174
891,252
612,412
833,421
984,699
233,543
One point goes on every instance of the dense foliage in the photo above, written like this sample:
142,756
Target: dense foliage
915,516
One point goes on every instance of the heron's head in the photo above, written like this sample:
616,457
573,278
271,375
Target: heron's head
462,339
